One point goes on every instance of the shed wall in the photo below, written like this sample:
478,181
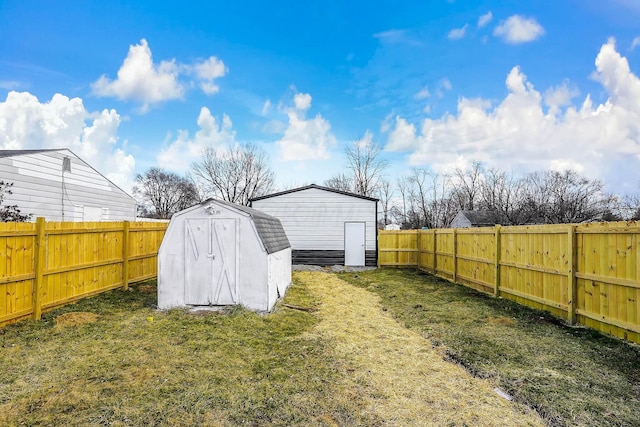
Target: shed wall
314,219
259,274
37,189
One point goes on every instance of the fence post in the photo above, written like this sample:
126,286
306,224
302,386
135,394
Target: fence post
125,255
571,274
39,265
435,255
419,240
496,291
455,253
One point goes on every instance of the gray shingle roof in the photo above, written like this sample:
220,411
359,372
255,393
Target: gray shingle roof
269,228
479,218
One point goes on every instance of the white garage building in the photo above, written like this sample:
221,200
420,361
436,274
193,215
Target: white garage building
326,226
218,253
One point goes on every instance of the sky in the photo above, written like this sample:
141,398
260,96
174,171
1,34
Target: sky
522,86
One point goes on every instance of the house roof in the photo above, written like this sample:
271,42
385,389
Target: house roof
269,228
10,153
481,217
317,187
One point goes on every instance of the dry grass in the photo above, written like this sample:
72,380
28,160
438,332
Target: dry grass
398,348
74,318
407,382
570,376
180,369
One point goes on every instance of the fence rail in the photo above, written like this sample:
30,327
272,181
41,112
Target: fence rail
585,273
44,265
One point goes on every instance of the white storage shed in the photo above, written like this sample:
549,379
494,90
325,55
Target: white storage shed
326,226
219,253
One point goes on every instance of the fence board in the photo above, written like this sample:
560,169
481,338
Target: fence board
77,260
587,273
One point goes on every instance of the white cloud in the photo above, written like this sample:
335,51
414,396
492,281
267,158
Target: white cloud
141,80
519,134
402,137
458,33
518,29
635,43
302,101
184,150
560,96
305,139
443,86
207,71
274,127
422,94
9,84
27,123
396,37
365,141
266,107
483,20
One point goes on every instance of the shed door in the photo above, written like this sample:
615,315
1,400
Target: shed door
211,261
354,243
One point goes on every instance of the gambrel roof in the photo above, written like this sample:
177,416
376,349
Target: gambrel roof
269,228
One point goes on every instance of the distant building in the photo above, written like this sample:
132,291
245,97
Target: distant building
468,219
392,227
326,226
59,186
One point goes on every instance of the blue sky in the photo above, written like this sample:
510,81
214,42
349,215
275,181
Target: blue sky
522,86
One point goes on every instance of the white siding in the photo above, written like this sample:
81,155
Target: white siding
314,218
38,188
460,221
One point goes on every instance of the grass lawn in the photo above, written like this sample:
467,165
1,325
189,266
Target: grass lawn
136,366
342,361
570,376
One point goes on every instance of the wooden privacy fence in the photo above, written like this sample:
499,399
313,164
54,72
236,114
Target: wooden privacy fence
585,273
44,265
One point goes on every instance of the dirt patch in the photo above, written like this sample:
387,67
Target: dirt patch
329,268
505,321
407,380
147,289
74,319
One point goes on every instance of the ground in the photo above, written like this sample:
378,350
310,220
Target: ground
372,348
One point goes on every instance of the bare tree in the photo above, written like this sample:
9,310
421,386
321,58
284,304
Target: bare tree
385,194
501,193
629,207
466,186
363,157
235,175
403,184
565,197
340,182
164,193
10,213
431,204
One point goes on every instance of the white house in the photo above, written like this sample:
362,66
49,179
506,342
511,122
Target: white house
326,226
218,253
467,219
58,185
